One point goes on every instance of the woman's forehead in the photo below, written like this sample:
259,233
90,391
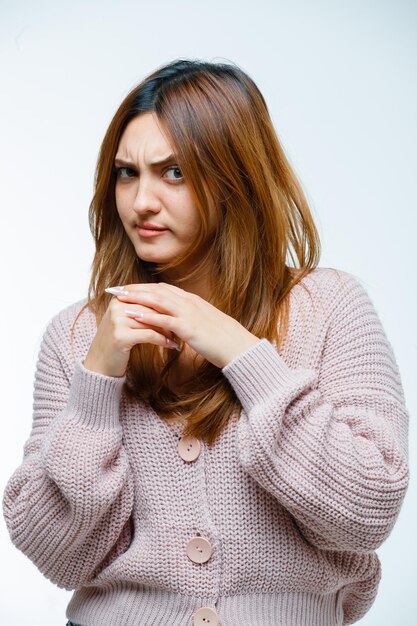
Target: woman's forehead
143,138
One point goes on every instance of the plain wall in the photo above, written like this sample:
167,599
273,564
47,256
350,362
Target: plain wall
339,80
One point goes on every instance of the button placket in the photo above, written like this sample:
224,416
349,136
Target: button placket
198,549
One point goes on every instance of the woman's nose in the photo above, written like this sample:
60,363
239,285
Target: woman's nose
146,198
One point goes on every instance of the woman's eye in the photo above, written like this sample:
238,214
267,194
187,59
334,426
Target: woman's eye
177,174
127,172
123,172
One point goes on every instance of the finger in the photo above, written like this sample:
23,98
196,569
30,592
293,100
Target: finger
174,289
158,287
160,302
147,335
166,323
137,316
116,303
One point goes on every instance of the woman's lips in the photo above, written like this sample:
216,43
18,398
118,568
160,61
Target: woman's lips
149,232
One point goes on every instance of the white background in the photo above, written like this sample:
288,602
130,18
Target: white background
340,81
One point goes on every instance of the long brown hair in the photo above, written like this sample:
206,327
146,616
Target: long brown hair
218,122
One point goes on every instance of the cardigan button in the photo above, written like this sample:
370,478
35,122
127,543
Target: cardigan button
205,617
199,549
189,448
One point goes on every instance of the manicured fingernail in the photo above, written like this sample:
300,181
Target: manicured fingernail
173,344
133,313
117,291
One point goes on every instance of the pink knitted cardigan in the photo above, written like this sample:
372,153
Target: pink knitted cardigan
302,486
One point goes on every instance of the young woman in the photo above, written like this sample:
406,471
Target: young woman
219,431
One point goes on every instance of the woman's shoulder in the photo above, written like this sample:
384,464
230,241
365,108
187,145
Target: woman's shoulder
322,297
326,305
329,279
65,317
324,287
70,330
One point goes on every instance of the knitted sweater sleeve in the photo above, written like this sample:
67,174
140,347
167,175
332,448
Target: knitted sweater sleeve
329,443
67,506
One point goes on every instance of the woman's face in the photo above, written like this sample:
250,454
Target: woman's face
151,191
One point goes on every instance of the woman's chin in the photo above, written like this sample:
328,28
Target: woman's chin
155,258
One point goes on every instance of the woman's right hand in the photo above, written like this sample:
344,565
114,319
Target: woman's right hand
116,335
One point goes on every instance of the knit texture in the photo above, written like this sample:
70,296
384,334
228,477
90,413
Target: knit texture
295,496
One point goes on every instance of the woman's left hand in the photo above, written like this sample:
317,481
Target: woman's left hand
211,333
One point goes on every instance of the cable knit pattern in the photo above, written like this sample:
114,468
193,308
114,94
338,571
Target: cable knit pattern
294,497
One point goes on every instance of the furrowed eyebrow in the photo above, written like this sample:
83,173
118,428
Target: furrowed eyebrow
169,159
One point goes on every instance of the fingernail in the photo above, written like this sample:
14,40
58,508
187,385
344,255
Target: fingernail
117,291
173,344
133,313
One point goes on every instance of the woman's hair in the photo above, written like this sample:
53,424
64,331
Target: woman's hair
216,119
